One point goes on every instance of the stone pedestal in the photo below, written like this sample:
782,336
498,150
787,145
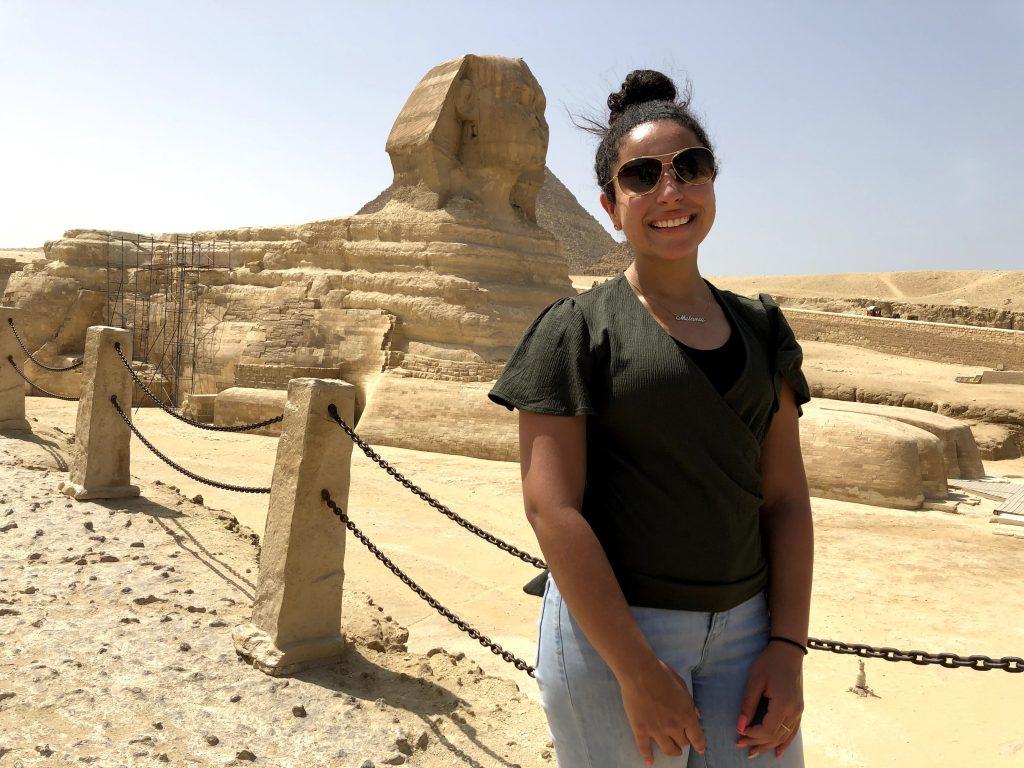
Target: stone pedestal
296,620
12,388
101,460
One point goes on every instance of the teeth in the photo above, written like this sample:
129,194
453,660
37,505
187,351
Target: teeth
671,222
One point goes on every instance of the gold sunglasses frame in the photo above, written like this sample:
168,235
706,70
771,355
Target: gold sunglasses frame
664,163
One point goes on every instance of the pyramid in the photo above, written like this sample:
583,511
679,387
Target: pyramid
589,249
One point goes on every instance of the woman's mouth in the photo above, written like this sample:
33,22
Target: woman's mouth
675,223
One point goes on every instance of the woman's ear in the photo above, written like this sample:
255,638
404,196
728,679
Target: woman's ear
609,208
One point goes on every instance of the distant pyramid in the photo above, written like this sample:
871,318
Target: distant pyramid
589,249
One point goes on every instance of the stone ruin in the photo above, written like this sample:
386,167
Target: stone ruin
419,302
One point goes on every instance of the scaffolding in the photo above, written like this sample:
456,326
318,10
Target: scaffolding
155,288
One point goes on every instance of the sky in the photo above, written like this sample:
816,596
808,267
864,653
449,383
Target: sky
852,136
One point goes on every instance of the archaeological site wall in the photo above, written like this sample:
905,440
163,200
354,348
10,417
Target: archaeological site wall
941,342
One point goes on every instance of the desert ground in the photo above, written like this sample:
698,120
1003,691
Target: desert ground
116,644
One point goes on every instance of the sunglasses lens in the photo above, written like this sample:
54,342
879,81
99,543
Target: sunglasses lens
640,176
695,165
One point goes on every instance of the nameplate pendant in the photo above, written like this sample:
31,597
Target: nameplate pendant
690,318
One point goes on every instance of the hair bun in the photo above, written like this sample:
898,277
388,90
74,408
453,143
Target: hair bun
639,86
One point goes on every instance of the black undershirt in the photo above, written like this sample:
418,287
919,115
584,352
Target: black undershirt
722,365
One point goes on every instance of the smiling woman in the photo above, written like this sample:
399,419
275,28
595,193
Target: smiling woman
662,475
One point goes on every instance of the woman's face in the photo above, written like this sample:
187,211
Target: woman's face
672,199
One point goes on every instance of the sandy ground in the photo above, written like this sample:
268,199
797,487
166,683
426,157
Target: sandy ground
912,580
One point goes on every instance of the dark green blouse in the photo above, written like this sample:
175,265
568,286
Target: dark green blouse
673,487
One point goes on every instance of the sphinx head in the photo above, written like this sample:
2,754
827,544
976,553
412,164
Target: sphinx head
473,128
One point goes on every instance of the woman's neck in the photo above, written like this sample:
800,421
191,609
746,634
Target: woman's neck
673,282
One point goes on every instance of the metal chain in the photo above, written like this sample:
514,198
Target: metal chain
76,364
14,365
376,457
947,660
178,467
485,641
192,423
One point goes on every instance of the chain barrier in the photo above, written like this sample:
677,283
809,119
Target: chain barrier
44,366
173,465
27,380
921,658
485,641
376,457
191,422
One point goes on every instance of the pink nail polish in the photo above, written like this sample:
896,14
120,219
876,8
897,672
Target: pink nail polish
648,761
741,726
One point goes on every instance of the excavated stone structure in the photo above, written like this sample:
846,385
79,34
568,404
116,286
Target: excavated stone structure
438,285
12,388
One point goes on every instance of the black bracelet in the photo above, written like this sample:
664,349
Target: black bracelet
801,646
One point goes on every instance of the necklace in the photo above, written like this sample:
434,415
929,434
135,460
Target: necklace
680,318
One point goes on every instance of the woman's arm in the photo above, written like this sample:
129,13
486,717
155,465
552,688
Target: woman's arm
553,462
788,534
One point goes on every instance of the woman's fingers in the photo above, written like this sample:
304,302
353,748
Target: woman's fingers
795,726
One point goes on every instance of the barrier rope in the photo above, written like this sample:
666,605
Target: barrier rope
44,366
921,658
485,641
332,411
173,465
14,365
191,422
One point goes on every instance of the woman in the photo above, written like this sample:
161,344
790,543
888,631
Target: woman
662,474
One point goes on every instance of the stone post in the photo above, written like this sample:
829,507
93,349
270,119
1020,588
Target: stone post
101,460
12,388
296,620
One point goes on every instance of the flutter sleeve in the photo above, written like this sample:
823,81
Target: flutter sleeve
787,354
549,371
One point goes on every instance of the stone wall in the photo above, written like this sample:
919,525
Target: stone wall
941,342
241,405
270,376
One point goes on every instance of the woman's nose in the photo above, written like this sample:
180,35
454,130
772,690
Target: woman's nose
669,187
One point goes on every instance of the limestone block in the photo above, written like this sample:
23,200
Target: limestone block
101,458
12,388
247,405
862,458
461,419
296,620
960,450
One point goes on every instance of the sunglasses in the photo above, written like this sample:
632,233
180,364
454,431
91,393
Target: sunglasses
641,175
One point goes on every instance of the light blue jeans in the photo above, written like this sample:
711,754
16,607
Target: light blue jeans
712,652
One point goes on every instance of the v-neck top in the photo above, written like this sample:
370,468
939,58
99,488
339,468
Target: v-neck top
673,484
723,365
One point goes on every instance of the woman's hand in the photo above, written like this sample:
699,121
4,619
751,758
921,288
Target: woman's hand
777,674
659,707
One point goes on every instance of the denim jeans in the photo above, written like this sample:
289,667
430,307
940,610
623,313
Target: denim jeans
712,652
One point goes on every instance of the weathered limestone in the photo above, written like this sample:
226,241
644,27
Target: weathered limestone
12,388
101,461
960,450
869,459
296,620
246,405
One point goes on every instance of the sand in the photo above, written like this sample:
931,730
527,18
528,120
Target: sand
913,580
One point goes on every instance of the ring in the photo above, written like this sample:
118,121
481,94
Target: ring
788,729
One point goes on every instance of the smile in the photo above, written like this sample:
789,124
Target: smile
672,222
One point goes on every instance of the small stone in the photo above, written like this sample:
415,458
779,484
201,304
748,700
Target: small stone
38,533
162,757
158,725
422,741
109,559
367,764
185,647
129,620
147,600
398,759
402,745
44,750
235,699
212,740
35,556
136,544
299,711
88,525
126,590
218,623
245,754
29,590
8,527
197,499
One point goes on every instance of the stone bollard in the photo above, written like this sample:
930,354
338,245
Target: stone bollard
296,619
101,461
12,388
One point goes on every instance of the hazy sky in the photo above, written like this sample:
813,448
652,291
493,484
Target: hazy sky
853,136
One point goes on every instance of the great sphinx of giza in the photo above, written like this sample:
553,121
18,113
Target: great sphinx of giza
418,304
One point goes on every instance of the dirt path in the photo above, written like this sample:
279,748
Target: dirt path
911,580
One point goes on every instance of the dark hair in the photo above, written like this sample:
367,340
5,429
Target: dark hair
645,95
